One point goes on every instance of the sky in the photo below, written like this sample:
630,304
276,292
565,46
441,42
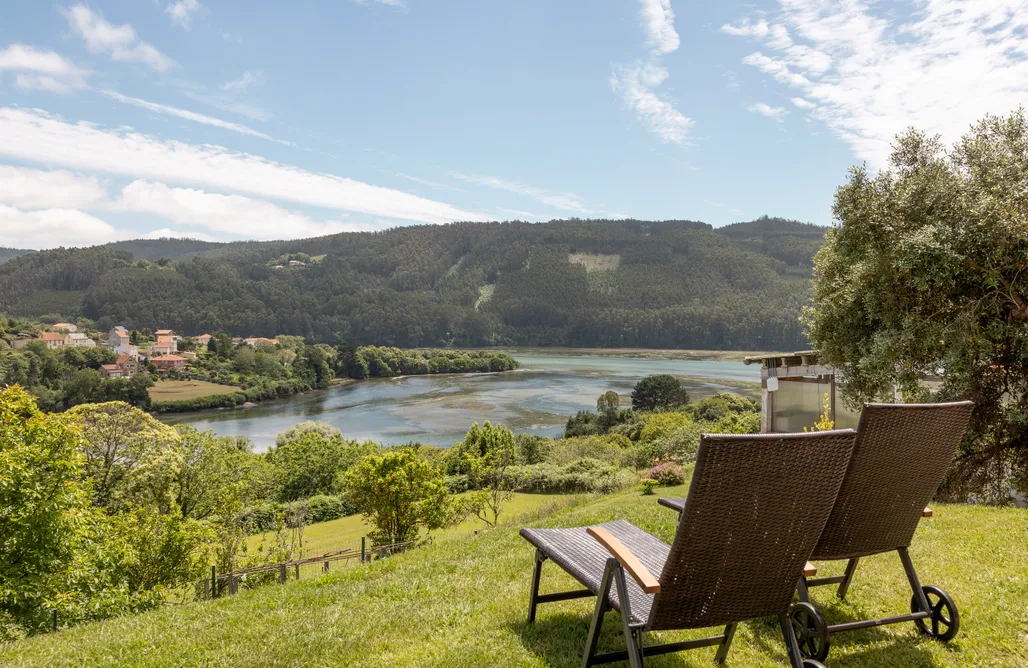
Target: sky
258,119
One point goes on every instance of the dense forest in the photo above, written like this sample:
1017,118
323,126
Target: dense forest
11,253
678,284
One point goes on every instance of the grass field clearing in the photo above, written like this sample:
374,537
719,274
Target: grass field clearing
177,390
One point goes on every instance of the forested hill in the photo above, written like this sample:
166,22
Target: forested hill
11,253
577,283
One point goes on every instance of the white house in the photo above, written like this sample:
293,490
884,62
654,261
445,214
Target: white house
78,340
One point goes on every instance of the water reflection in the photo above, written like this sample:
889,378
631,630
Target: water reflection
437,410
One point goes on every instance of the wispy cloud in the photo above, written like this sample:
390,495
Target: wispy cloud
37,137
563,201
192,116
636,84
182,12
247,80
659,22
430,184
868,74
774,113
41,70
119,42
37,204
391,3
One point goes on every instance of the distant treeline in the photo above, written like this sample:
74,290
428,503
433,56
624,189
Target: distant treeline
588,283
382,362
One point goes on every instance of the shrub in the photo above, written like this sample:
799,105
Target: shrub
660,425
325,508
680,446
648,484
260,518
667,474
662,391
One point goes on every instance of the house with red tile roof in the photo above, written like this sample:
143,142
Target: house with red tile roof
54,340
111,371
169,362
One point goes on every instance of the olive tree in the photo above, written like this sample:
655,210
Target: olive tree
924,275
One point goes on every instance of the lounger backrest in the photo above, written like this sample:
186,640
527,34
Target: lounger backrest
756,507
902,454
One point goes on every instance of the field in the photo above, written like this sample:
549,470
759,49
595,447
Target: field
461,602
177,390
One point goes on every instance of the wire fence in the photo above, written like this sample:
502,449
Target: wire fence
355,553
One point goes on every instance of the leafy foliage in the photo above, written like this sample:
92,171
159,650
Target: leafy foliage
924,276
661,391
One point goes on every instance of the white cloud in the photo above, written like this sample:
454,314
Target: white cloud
35,136
191,116
659,21
168,233
430,184
774,113
803,104
391,3
119,42
248,80
562,201
636,86
868,74
758,29
50,228
225,214
182,12
41,70
29,188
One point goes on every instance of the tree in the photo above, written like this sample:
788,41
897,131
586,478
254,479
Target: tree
40,494
214,471
400,494
923,275
130,456
295,432
489,453
659,392
609,402
308,465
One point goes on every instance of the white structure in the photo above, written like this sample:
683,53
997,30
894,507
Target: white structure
78,340
118,336
66,327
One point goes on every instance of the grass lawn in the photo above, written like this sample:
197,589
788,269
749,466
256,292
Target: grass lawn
177,390
461,602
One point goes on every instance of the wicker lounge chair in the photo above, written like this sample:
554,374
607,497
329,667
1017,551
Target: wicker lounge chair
902,453
750,525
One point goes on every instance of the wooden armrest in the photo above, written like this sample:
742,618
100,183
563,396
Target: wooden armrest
628,561
927,512
809,570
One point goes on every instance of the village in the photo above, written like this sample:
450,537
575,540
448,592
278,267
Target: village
164,349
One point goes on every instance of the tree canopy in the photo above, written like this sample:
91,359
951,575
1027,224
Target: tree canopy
924,277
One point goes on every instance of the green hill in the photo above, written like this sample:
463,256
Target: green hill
667,284
11,253
462,602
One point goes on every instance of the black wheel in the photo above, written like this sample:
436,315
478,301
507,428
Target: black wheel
944,621
811,632
810,663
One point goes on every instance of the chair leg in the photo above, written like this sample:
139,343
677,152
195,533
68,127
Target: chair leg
802,591
844,586
601,608
634,643
915,584
536,575
792,646
722,650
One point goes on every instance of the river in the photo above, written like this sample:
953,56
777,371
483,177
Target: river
437,410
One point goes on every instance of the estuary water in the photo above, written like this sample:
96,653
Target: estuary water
437,410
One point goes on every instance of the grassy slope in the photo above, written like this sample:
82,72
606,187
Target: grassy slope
462,602
177,390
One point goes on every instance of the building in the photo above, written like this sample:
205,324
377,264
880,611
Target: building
118,336
78,340
169,362
66,327
189,355
167,332
129,365
127,349
111,371
202,340
166,345
54,340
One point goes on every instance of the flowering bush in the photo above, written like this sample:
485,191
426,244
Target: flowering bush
667,474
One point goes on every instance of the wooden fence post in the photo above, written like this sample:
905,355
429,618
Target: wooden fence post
364,548
214,582
297,571
325,570
232,587
282,573
206,589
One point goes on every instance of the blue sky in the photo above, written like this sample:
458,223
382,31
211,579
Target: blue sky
231,120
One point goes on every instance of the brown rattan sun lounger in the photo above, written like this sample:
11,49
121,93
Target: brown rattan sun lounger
749,527
902,454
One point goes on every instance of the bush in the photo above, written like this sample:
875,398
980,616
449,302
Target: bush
325,508
584,475
259,519
661,425
667,474
648,484
659,392
458,483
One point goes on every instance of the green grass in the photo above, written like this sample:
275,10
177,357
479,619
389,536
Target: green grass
178,390
462,601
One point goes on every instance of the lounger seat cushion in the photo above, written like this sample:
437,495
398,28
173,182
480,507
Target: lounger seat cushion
585,558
